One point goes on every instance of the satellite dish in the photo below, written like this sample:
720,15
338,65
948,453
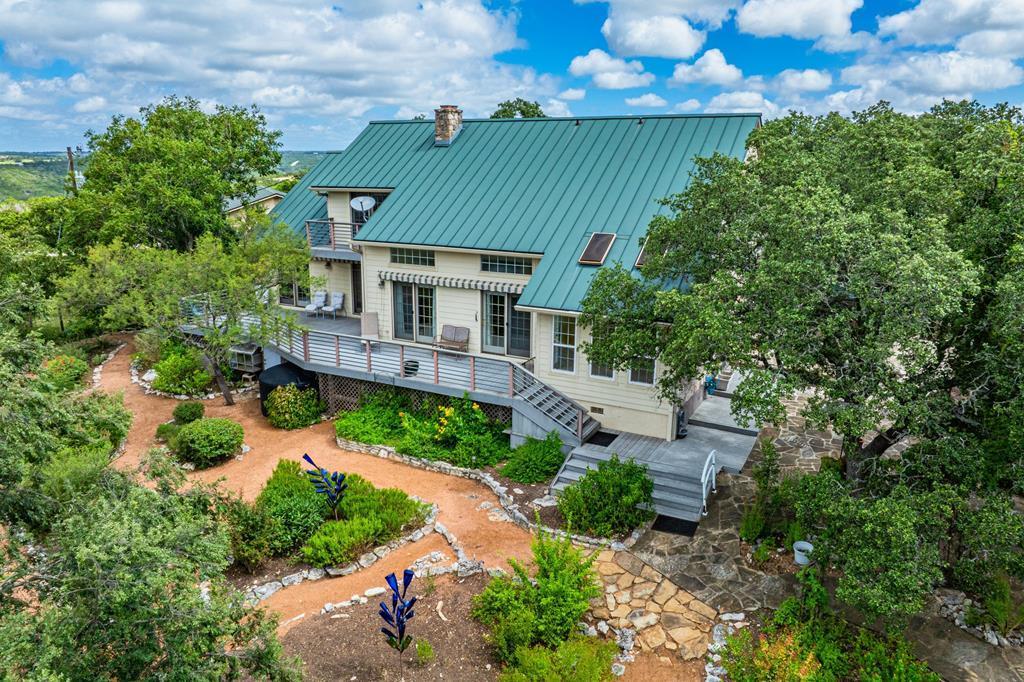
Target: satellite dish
363,203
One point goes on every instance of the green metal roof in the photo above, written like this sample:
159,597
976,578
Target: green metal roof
523,185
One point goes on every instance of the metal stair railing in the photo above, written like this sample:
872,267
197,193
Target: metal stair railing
708,481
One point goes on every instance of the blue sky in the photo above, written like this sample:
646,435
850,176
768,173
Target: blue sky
320,70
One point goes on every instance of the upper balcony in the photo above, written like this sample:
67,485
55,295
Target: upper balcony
332,240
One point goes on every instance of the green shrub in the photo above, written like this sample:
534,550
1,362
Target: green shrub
611,500
339,542
188,411
391,506
424,652
1002,610
168,434
181,373
763,553
752,523
64,372
544,608
251,530
72,472
206,442
535,461
459,433
377,420
879,658
292,501
575,660
289,407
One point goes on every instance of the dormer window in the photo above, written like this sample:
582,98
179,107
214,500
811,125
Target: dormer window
597,248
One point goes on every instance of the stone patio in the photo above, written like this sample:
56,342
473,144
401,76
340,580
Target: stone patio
710,565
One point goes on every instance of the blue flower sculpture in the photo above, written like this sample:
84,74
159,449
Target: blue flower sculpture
331,485
400,613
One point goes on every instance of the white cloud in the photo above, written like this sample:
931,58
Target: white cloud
556,107
648,99
610,72
572,94
938,74
710,69
312,59
741,101
797,18
90,104
806,80
1009,43
942,21
674,29
687,105
657,36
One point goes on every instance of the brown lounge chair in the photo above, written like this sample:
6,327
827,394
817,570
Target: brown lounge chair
453,338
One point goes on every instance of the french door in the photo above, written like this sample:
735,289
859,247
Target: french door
505,329
414,312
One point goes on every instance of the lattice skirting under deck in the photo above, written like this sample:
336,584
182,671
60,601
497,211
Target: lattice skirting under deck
344,393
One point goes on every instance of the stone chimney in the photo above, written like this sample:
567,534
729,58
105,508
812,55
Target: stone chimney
447,124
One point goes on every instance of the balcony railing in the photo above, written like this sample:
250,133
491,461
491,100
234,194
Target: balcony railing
330,234
451,369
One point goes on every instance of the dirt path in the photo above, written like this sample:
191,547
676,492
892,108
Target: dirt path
458,499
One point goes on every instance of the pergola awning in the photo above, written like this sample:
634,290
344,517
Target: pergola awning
453,282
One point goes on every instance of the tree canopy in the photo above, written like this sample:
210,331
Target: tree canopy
160,179
518,108
874,262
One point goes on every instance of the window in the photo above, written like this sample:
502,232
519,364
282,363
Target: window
506,264
412,257
414,312
359,218
641,258
642,373
601,371
290,293
563,343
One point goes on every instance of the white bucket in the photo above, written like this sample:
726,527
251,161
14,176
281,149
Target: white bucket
801,552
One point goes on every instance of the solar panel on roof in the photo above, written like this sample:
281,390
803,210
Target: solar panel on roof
597,248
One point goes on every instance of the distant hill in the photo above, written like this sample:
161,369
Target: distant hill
24,175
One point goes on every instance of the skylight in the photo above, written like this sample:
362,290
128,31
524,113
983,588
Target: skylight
641,257
597,248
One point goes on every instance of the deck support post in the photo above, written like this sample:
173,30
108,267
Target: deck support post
436,368
369,358
330,226
305,345
401,362
337,351
472,372
579,426
511,381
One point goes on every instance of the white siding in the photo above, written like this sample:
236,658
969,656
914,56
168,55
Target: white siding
627,407
338,277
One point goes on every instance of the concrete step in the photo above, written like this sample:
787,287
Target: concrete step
665,471
723,427
572,473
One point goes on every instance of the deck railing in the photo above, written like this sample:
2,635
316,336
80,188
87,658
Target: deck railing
330,234
451,369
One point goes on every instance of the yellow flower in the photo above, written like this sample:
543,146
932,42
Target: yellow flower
475,406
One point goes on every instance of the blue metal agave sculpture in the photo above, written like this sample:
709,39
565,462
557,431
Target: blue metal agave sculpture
399,613
329,484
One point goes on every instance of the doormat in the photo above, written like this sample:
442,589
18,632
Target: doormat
667,524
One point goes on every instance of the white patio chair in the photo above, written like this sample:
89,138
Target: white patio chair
317,303
337,305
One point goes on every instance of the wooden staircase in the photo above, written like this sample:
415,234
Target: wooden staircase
546,406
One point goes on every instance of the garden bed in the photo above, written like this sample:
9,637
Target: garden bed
347,644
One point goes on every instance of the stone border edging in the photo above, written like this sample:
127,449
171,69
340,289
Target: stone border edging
953,606
97,371
507,503
147,387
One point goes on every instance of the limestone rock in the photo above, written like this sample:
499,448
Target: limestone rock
663,592
374,592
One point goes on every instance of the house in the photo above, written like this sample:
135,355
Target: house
494,228
266,198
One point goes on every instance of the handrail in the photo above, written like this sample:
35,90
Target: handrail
324,233
708,475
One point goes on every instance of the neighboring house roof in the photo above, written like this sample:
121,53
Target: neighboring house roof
261,194
523,185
